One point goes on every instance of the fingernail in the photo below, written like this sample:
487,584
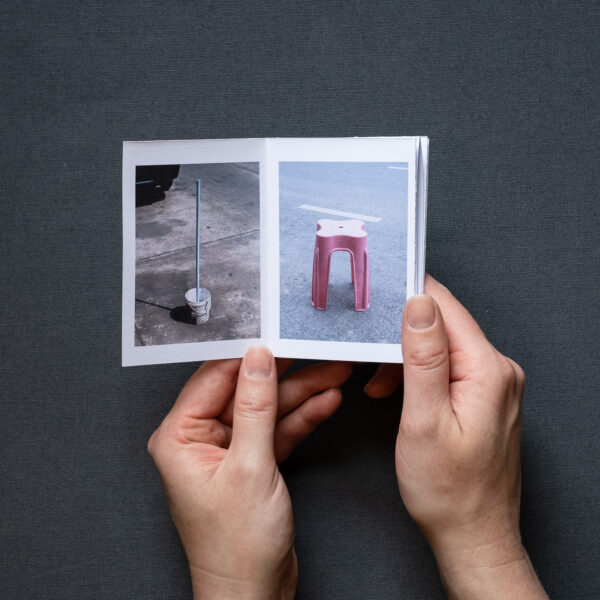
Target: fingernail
258,362
420,312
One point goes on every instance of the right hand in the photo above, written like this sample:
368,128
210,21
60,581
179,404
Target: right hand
457,452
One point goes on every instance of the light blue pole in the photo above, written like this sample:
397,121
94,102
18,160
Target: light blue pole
197,240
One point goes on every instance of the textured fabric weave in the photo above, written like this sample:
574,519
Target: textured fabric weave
507,92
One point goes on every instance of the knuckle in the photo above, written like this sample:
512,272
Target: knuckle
427,357
252,402
226,369
508,373
210,428
486,373
307,422
218,435
153,443
513,374
520,372
496,372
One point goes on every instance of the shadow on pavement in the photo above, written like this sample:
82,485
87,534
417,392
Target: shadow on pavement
182,314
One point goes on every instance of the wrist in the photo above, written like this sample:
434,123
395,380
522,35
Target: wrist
515,579
213,586
492,569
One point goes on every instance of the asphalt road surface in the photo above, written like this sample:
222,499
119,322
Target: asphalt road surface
377,190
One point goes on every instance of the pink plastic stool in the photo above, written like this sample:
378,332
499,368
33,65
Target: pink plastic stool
331,237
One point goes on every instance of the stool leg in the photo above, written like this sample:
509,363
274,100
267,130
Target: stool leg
320,282
361,280
351,267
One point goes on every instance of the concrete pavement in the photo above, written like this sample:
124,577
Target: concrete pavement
229,266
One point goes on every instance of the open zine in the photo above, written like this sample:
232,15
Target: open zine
308,246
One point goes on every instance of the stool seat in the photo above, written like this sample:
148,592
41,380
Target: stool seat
333,236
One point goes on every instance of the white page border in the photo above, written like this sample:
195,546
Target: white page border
401,149
268,153
183,152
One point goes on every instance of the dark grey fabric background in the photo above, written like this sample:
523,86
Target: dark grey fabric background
509,97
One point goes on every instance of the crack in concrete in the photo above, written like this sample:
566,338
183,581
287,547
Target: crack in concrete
246,169
227,237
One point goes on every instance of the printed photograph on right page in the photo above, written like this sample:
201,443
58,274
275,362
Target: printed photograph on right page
342,250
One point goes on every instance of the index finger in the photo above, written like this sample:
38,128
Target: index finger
283,364
208,390
466,340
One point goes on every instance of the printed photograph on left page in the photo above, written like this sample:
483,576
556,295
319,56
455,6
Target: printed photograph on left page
197,253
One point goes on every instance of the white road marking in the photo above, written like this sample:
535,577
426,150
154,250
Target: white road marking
399,168
339,213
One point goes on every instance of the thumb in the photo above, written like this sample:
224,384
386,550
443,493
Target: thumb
426,361
255,407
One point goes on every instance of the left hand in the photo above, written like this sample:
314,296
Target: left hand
217,453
